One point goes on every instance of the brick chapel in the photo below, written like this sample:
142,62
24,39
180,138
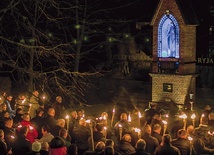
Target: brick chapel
174,52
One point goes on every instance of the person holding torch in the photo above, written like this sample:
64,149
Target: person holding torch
122,124
198,143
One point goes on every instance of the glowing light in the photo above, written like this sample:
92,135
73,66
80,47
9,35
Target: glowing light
88,121
30,127
193,116
43,97
75,41
119,125
190,138
139,114
85,38
137,130
210,133
77,26
67,117
113,110
184,116
23,101
126,35
164,122
129,118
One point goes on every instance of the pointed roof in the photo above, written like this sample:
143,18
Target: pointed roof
186,9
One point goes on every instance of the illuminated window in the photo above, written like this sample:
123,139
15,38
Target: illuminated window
168,37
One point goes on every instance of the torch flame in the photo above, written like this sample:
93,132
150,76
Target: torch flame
164,122
184,116
129,118
139,114
137,130
88,121
67,117
193,116
23,101
190,138
19,126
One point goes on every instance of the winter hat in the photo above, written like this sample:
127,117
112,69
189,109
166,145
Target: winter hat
36,146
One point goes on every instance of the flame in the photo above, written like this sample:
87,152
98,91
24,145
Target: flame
193,116
137,130
104,117
23,101
184,116
129,118
190,138
139,114
119,125
164,122
88,121
211,134
105,128
67,117
113,110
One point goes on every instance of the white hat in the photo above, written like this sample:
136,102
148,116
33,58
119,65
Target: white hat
36,146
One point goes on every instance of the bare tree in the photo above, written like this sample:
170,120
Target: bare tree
43,42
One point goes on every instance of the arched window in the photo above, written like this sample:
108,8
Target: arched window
168,37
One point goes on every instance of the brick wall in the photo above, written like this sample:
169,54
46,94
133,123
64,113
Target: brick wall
183,81
181,88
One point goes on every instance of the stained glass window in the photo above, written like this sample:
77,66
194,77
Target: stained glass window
168,37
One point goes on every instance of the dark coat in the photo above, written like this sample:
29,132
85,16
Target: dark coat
3,148
183,145
38,122
50,121
21,145
59,110
156,121
126,147
199,146
157,136
141,152
9,134
167,150
80,137
55,130
151,143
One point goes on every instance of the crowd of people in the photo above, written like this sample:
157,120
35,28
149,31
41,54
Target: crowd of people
31,128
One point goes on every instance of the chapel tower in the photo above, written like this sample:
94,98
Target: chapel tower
174,52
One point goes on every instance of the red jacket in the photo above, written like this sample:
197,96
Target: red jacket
58,151
32,133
